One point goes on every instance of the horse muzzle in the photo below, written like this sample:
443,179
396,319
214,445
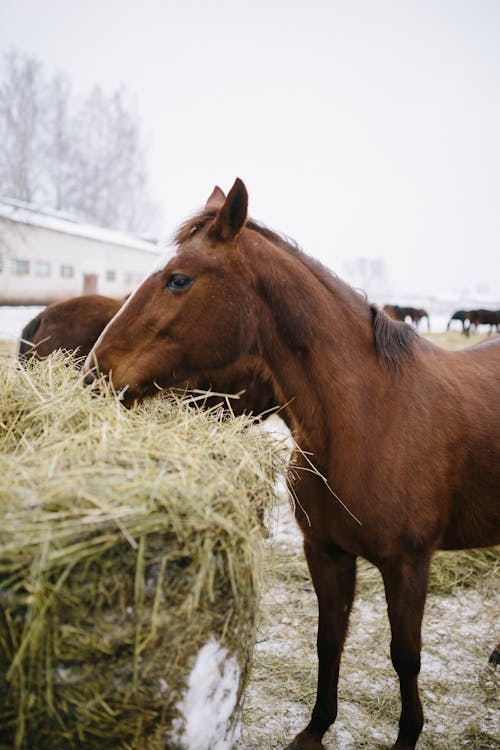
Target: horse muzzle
90,378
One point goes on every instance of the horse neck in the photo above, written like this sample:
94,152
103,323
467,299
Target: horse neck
317,340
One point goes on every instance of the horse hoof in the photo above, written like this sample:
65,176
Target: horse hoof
309,745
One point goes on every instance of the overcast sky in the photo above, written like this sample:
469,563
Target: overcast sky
361,128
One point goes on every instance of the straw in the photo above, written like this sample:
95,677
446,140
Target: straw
128,539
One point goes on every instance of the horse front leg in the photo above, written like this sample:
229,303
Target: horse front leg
405,582
333,573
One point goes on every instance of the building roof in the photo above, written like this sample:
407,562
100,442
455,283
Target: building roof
59,221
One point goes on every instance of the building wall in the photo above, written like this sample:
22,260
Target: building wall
40,265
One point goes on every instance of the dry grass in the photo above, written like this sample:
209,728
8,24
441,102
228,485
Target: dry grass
7,347
455,339
128,539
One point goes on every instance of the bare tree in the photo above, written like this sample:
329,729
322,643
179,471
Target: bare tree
89,161
110,180
59,144
21,112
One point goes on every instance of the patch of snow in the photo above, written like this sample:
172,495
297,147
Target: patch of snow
284,529
208,717
459,691
14,318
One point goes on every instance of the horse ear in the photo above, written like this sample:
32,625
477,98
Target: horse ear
232,215
216,199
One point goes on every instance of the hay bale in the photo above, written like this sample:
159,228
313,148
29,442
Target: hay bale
129,565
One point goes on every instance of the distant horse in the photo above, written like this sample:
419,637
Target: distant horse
396,312
415,314
356,384
483,317
460,315
74,326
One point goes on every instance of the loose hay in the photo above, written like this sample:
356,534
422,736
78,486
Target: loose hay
129,541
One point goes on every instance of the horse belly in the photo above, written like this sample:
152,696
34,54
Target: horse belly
475,515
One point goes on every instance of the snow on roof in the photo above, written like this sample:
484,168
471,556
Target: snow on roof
59,221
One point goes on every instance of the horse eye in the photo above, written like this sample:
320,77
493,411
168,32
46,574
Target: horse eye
178,282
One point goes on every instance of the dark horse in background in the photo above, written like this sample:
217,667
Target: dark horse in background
470,319
483,317
74,326
460,315
356,383
415,314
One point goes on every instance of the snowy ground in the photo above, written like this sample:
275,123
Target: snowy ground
459,691
13,320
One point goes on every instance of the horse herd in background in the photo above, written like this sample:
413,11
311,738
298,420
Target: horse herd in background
470,319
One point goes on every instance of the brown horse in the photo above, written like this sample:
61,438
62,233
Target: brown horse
417,314
480,317
397,312
460,315
74,326
356,383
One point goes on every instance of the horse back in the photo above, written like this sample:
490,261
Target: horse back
71,325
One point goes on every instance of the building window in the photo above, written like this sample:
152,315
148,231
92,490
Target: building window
20,267
110,275
41,268
67,272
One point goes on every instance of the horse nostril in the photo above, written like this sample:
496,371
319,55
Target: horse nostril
90,378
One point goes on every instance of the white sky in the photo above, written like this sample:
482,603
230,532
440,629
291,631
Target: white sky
361,128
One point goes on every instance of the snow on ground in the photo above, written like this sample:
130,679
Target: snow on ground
13,320
206,718
460,693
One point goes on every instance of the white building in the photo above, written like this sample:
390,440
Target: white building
47,256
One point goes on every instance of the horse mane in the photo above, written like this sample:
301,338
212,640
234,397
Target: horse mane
393,340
